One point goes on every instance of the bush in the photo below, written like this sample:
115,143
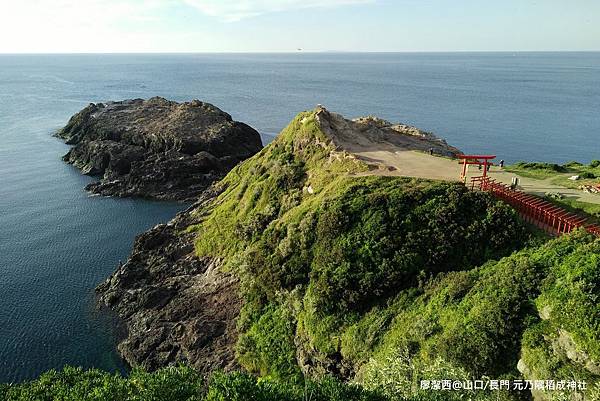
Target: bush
542,166
375,236
176,384
75,384
587,175
242,387
571,293
481,322
267,347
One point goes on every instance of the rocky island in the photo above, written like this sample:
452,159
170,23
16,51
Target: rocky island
156,148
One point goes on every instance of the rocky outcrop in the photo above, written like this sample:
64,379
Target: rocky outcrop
156,148
176,307
369,133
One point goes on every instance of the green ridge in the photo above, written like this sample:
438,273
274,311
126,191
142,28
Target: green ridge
358,287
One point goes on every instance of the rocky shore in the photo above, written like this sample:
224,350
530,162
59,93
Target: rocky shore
176,306
156,148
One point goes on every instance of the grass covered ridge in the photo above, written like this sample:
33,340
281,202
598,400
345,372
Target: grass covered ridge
326,258
358,287
588,174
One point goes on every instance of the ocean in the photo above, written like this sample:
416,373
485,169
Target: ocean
57,242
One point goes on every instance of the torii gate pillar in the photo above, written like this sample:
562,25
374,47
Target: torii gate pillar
475,159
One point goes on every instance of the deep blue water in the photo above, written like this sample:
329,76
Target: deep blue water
57,243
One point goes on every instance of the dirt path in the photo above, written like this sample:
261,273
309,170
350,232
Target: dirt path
389,160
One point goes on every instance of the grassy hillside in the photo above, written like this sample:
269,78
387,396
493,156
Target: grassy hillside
380,282
559,175
331,262
483,321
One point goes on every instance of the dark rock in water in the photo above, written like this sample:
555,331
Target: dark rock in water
176,306
156,148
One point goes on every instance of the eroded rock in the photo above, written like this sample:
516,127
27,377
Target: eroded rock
176,307
156,148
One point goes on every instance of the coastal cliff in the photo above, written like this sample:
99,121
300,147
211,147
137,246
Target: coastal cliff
178,307
200,288
308,260
156,148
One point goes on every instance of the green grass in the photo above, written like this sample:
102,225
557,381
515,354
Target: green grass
386,280
565,342
481,322
272,182
76,384
539,171
184,384
589,174
177,384
314,263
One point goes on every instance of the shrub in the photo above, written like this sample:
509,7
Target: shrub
177,384
375,240
587,175
267,347
75,384
542,166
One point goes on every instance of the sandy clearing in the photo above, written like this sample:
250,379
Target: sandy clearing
388,160
401,150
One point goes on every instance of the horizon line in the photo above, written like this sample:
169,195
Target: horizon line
295,52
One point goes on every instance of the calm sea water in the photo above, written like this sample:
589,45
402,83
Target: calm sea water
57,243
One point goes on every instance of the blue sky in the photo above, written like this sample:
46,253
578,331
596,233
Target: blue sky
47,26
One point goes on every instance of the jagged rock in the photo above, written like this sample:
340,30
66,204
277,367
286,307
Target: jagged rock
156,148
363,132
176,306
566,344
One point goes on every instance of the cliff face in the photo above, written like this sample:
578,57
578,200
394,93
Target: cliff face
177,307
156,148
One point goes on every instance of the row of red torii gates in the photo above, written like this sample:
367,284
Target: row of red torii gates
544,214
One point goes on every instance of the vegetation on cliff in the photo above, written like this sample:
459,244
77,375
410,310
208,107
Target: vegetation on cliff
176,384
343,274
357,287
388,281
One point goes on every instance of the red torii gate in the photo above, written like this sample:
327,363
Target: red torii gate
475,159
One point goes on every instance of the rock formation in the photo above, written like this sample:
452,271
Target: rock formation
156,148
176,306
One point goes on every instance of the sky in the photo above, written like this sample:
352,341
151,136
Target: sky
107,26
